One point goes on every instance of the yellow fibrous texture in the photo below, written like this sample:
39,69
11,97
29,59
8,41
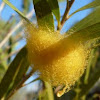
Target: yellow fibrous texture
59,60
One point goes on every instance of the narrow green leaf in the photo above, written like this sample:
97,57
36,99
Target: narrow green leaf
22,71
49,91
43,14
86,34
89,66
2,71
93,4
91,19
55,8
96,45
93,78
60,0
14,8
23,67
11,72
26,4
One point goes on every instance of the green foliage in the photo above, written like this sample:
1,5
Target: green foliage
90,33
13,71
87,21
87,30
93,75
47,94
55,8
13,7
26,4
43,13
95,3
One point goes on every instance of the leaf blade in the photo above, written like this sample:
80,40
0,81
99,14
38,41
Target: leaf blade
93,4
14,8
55,8
9,75
43,14
89,33
87,21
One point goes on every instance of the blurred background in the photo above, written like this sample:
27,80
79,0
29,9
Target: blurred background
12,40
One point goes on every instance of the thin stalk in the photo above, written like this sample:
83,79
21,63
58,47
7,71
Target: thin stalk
66,14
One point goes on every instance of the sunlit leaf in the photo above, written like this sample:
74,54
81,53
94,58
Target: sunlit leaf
91,19
49,91
93,4
86,34
43,14
55,8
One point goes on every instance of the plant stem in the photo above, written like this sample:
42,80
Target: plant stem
66,16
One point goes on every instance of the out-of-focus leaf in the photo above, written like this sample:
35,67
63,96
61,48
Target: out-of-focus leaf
43,14
89,66
26,4
11,72
91,19
94,76
49,91
14,8
2,56
55,8
10,49
24,65
22,71
90,33
9,23
93,4
2,71
46,93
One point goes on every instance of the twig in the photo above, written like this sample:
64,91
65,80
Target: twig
66,16
1,7
20,84
15,28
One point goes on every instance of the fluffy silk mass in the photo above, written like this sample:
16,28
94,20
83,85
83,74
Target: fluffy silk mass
59,59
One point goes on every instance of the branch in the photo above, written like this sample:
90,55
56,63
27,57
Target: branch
66,16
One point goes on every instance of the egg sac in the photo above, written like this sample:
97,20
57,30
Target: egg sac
58,59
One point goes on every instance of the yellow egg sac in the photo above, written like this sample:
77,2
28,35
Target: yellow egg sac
60,60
